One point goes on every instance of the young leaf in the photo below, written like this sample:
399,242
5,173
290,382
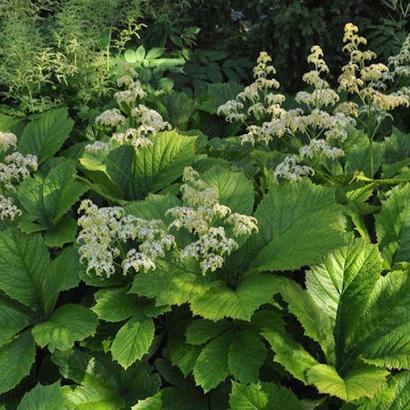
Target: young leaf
132,341
68,324
46,134
211,367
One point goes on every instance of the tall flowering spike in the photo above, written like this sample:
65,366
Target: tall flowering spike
257,102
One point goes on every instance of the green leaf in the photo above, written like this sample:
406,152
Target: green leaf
218,94
46,134
61,190
171,283
62,274
116,305
12,321
355,384
201,331
102,382
43,398
220,301
16,359
234,189
24,262
393,225
366,314
246,356
150,169
262,396
245,397
211,367
299,223
68,324
48,200
394,396
132,341
293,357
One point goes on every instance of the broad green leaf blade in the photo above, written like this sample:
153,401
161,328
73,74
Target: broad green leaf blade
293,357
46,134
24,262
299,223
393,225
16,359
132,341
394,396
262,396
64,232
171,284
357,383
62,274
234,189
221,301
12,321
201,331
116,305
211,367
43,398
61,190
247,397
68,324
246,355
150,169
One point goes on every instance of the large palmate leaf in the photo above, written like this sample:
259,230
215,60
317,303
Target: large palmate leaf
46,134
298,224
47,201
358,317
227,348
393,225
43,398
30,285
133,174
99,381
262,396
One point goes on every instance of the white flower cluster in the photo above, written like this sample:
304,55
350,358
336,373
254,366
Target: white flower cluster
368,81
139,123
199,218
7,141
111,118
103,230
291,170
257,100
400,63
15,168
320,147
7,209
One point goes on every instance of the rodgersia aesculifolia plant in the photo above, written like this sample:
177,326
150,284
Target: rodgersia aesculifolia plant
321,123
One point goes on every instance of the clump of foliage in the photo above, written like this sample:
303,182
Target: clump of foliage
146,264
